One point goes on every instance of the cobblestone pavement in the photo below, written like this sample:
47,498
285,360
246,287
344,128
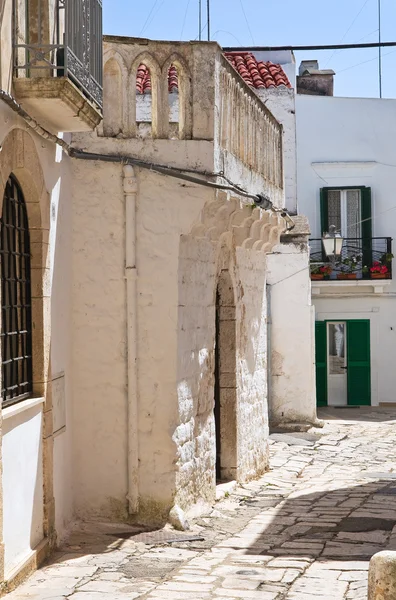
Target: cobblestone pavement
305,530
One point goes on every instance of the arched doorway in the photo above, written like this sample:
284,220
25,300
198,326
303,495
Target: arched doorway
225,392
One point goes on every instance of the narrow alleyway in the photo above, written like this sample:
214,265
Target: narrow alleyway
305,530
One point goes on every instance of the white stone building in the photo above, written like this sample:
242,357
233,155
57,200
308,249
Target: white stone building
346,178
142,289
196,379
36,279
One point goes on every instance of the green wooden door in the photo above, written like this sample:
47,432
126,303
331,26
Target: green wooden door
358,355
321,362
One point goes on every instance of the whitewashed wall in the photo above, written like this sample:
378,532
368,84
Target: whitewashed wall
348,142
57,286
291,316
22,458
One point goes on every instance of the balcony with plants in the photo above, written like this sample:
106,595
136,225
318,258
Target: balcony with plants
360,259
57,62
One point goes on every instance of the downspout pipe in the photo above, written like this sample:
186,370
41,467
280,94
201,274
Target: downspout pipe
130,196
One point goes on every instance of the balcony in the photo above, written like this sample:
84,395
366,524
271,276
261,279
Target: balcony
362,260
248,133
189,93
58,62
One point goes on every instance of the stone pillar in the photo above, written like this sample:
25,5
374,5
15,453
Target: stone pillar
382,576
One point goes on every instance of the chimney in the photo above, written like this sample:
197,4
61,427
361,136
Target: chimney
313,81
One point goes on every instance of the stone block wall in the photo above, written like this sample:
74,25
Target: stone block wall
195,435
252,364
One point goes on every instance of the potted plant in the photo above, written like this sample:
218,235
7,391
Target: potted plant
349,266
386,258
319,270
379,270
315,270
326,271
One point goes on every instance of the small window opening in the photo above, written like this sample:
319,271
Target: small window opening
144,102
174,102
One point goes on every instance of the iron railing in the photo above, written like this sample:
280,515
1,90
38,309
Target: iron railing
361,258
74,49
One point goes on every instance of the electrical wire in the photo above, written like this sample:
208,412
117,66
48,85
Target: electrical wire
228,32
349,28
148,16
357,41
202,30
184,20
155,14
365,62
247,22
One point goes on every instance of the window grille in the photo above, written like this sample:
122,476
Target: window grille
353,216
334,203
16,326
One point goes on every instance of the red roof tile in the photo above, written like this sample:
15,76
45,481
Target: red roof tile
257,74
143,80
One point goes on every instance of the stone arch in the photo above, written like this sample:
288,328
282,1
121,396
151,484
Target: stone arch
115,94
158,120
184,85
225,367
251,227
19,157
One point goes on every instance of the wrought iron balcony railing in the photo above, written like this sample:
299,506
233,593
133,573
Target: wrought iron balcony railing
67,43
361,258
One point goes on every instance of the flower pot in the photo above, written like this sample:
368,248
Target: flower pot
379,275
317,276
347,276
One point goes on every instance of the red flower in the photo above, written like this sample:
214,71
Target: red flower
325,269
378,268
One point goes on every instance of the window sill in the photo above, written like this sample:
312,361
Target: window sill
352,287
16,409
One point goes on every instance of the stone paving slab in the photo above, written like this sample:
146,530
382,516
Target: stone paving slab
304,531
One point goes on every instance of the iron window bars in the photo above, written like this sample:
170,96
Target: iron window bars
76,50
16,325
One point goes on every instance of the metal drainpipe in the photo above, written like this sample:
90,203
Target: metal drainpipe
130,193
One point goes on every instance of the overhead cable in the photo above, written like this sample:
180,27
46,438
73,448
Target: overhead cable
349,28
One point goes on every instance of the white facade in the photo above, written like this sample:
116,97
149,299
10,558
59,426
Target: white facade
31,455
349,142
150,303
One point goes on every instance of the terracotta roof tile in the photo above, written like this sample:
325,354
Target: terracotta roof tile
143,80
257,74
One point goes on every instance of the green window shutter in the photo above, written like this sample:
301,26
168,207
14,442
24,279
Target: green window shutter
358,354
324,211
367,229
321,363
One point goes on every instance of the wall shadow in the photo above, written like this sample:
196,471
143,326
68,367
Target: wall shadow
345,524
375,414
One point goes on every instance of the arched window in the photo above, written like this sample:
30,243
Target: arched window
144,102
16,306
173,102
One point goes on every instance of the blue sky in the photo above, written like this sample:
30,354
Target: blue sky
276,22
